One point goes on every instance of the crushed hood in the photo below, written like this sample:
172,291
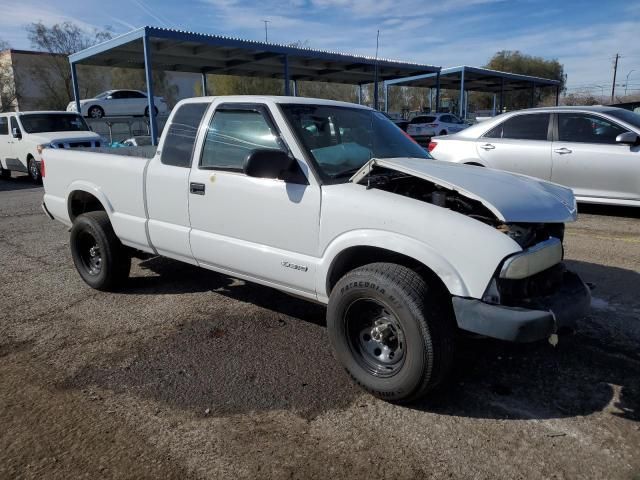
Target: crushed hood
510,197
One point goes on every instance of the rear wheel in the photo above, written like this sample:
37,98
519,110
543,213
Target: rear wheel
155,111
391,331
96,112
34,170
99,256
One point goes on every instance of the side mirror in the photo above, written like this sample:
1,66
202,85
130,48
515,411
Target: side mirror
109,97
628,138
267,163
15,133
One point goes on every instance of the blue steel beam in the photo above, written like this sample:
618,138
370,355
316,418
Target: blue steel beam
76,89
287,82
204,84
461,97
148,66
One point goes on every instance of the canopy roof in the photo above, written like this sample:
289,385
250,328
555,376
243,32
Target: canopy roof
176,50
476,80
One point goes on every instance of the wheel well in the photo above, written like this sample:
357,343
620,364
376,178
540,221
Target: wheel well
355,257
476,164
82,202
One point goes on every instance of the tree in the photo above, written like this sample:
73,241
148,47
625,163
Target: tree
513,61
8,94
60,41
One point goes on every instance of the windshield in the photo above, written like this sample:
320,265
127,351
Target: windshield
341,139
53,122
626,116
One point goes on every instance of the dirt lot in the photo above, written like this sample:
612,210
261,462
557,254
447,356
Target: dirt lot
191,374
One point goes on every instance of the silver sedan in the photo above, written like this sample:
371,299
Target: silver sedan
593,150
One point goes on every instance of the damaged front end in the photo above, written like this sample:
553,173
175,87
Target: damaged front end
531,294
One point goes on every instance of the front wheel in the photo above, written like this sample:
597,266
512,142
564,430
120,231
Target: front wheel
95,112
34,170
99,256
155,111
391,331
443,132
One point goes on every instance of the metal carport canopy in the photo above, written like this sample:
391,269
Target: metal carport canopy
176,50
475,79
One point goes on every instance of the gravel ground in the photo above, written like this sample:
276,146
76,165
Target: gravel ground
192,374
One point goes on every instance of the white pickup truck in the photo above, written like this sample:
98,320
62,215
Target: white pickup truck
331,202
23,136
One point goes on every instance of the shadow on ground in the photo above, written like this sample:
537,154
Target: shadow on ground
258,349
609,210
17,182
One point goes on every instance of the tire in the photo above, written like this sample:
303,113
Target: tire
443,132
95,112
419,331
34,170
101,260
155,111
4,173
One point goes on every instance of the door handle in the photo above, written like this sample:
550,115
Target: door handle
487,146
562,150
196,188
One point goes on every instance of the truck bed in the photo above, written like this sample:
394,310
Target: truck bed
146,151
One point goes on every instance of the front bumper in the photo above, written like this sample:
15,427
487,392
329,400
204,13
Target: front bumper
535,319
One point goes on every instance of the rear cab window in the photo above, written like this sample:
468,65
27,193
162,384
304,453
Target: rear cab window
177,148
422,119
531,126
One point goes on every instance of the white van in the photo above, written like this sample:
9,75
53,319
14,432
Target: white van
23,136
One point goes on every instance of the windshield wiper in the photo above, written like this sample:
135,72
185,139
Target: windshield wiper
346,173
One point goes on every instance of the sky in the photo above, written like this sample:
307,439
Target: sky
582,35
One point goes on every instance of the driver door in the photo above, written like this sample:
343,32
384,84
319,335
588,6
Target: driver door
259,228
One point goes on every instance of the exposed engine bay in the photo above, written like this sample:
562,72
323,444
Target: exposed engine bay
525,234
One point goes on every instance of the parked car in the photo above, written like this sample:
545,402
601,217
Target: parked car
593,150
423,127
331,202
118,103
399,121
24,135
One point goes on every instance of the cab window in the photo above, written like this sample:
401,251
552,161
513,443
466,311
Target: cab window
177,148
4,126
232,135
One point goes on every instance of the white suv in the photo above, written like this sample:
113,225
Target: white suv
24,135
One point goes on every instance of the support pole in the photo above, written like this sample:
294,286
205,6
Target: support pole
76,89
287,82
359,94
385,86
501,95
493,110
461,97
375,91
437,92
204,84
557,95
533,94
466,104
295,88
148,71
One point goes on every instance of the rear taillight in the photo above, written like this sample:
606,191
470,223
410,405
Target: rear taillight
42,171
432,145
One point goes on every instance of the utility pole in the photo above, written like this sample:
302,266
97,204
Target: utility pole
615,71
266,31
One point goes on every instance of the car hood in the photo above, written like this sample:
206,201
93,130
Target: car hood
49,137
510,197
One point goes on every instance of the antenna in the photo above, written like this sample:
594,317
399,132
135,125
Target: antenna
266,30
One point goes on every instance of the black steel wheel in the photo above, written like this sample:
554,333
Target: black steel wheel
391,330
99,256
